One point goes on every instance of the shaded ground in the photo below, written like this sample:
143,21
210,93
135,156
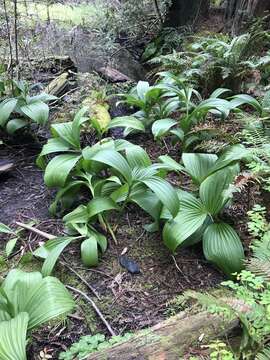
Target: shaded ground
128,302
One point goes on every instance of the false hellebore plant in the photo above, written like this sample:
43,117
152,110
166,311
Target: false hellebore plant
19,111
114,173
199,214
28,300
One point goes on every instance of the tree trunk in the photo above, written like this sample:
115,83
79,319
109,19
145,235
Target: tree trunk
183,12
170,339
239,10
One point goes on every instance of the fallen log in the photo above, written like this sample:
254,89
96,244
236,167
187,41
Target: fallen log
58,85
112,75
170,339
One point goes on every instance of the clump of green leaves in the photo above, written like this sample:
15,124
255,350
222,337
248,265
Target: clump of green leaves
174,108
89,344
114,173
199,216
27,300
217,60
21,109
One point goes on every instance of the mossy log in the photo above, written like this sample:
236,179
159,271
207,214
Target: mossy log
170,339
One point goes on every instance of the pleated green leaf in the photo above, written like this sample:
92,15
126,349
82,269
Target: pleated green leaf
53,145
213,188
115,160
6,108
54,249
165,192
5,229
162,127
15,124
190,218
130,122
137,157
222,247
13,338
198,165
59,168
99,205
41,298
37,111
171,163
89,252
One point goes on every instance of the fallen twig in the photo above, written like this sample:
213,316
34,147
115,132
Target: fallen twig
37,231
81,278
105,322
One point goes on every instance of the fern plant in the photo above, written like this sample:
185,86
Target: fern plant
215,61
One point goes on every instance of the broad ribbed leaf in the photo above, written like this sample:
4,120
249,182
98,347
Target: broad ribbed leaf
190,218
54,249
198,165
10,245
212,189
44,97
77,216
116,161
65,132
15,124
5,229
171,163
218,92
37,111
89,252
79,119
142,88
42,298
244,99
13,338
222,247
52,146
6,108
162,127
165,192
59,168
231,155
149,202
99,205
137,157
130,122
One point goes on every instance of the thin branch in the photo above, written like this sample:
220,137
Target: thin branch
37,231
81,278
105,322
158,11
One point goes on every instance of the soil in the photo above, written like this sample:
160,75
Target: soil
129,302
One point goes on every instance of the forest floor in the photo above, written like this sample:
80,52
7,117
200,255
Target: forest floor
128,302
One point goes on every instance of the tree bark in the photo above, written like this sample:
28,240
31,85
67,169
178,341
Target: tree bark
183,12
170,339
239,10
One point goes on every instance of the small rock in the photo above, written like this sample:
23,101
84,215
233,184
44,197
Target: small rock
130,265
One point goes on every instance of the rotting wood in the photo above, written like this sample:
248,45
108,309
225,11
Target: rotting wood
58,85
113,75
170,339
